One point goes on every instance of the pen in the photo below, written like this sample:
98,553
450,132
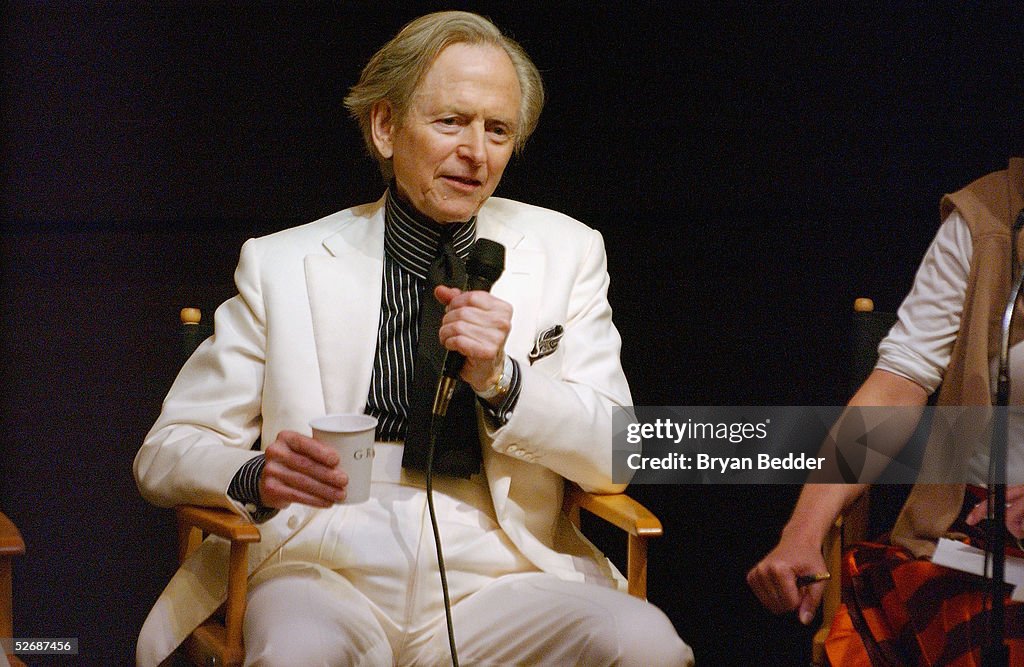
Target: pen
808,579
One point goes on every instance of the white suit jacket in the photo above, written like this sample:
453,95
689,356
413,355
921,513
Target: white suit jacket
299,341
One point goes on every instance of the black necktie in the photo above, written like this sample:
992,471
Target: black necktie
457,448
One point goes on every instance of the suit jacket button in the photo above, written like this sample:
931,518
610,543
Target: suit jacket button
292,522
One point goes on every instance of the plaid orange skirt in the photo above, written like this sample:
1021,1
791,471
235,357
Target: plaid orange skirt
901,611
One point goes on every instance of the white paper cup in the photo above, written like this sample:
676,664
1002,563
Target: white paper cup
351,435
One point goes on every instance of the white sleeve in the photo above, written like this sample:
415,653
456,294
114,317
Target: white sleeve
919,345
563,420
212,413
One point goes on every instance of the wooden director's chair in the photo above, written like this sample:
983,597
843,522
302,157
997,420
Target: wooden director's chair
868,329
218,641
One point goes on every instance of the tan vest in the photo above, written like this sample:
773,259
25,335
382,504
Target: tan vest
988,206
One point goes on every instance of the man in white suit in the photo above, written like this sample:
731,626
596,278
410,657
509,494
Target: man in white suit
324,322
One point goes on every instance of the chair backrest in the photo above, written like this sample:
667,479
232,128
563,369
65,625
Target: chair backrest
217,641
193,331
867,330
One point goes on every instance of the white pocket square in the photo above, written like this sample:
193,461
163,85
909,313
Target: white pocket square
546,343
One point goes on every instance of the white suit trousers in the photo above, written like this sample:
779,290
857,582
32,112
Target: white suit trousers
359,585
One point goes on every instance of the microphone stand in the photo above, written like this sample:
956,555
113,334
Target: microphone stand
995,652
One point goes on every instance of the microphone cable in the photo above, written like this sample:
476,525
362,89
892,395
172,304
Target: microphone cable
485,265
434,422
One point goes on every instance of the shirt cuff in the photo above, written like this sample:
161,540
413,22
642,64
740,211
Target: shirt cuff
245,489
499,415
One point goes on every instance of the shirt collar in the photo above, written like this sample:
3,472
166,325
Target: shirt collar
412,239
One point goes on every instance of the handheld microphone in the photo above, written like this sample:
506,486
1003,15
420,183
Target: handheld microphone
485,265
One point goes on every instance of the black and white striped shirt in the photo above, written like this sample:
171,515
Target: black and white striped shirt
410,245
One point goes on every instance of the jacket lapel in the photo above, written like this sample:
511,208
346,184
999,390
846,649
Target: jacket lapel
344,289
522,282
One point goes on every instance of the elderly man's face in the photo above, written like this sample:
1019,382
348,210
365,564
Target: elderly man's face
451,149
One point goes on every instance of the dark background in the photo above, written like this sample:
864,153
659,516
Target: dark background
752,168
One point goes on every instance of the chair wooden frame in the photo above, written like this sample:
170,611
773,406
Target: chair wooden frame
852,524
626,514
850,527
11,545
218,641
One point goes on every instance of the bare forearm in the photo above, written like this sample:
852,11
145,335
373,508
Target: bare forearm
817,509
799,551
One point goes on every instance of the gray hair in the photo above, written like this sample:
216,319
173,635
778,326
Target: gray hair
395,71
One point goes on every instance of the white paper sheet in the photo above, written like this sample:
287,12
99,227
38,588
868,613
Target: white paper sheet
963,557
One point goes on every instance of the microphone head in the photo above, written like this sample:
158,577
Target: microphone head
485,265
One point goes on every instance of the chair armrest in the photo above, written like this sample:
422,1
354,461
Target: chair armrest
627,514
11,543
221,522
617,509
195,522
